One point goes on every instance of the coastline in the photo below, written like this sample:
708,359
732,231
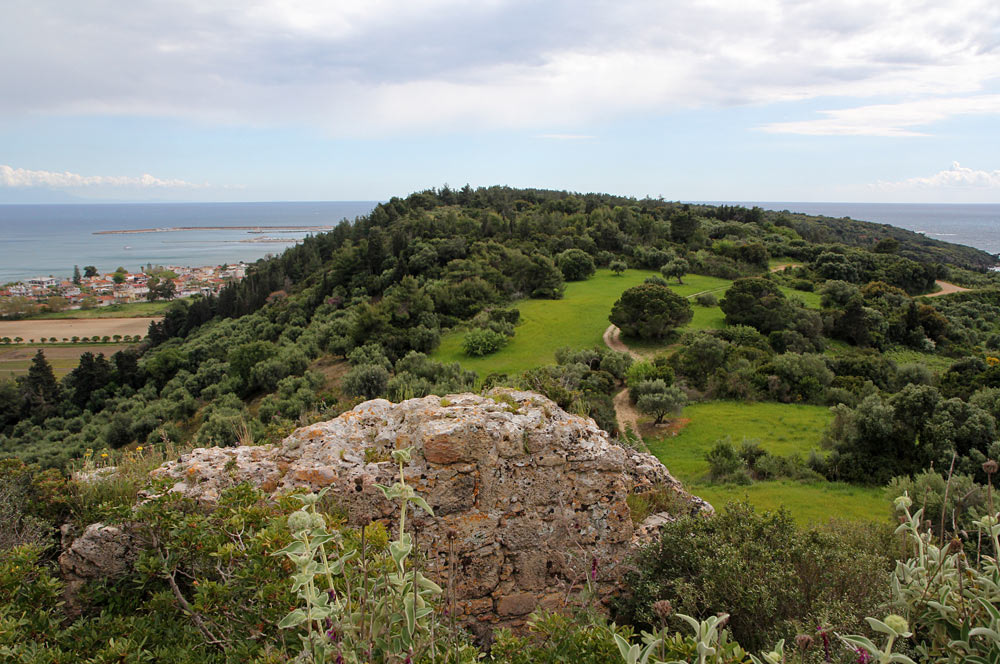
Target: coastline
176,229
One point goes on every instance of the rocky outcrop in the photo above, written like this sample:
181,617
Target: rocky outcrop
101,552
529,501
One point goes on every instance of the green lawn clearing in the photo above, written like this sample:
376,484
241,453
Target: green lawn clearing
706,318
809,299
783,430
577,320
133,310
15,360
933,362
808,502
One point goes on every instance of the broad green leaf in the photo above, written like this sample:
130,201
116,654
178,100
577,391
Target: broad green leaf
293,619
295,548
422,504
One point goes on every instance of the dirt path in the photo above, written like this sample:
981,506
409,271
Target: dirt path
946,288
613,340
779,268
626,414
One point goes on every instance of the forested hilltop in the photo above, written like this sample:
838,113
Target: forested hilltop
437,293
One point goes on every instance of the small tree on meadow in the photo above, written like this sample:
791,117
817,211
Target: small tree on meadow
660,404
650,311
575,264
617,267
675,268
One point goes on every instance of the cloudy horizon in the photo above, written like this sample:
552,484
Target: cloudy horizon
888,101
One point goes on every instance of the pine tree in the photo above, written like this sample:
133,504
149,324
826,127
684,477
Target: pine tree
40,393
76,275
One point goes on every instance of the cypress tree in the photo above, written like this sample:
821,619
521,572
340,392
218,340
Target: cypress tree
40,393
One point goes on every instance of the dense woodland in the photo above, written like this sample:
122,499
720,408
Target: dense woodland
357,312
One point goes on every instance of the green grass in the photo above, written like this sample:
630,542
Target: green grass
577,320
696,283
15,360
808,502
706,318
937,363
782,429
811,300
133,310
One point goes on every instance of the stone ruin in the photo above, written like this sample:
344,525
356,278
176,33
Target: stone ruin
533,498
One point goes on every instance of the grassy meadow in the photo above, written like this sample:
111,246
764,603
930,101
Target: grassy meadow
783,430
131,310
15,360
578,320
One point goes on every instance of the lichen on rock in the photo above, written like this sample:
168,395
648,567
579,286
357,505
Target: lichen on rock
534,498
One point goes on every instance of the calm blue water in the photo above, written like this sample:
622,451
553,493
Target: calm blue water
975,225
50,239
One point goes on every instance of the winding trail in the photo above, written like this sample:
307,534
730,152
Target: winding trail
779,268
613,340
626,414
946,288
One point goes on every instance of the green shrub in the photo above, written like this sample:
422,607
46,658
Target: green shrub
575,264
645,370
558,638
706,299
724,460
480,342
759,568
366,380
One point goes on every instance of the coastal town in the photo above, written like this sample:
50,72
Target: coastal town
91,289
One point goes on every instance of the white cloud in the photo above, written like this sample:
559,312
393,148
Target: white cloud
888,119
566,137
956,177
356,67
21,177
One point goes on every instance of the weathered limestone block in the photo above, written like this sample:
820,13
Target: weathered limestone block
528,499
100,552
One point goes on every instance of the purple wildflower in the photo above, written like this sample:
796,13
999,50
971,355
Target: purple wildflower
826,644
863,656
593,569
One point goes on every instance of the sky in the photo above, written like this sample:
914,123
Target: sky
698,100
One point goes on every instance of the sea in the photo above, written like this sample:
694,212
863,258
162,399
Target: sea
972,224
48,240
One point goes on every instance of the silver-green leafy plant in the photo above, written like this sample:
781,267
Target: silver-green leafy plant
894,627
710,644
950,602
359,604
